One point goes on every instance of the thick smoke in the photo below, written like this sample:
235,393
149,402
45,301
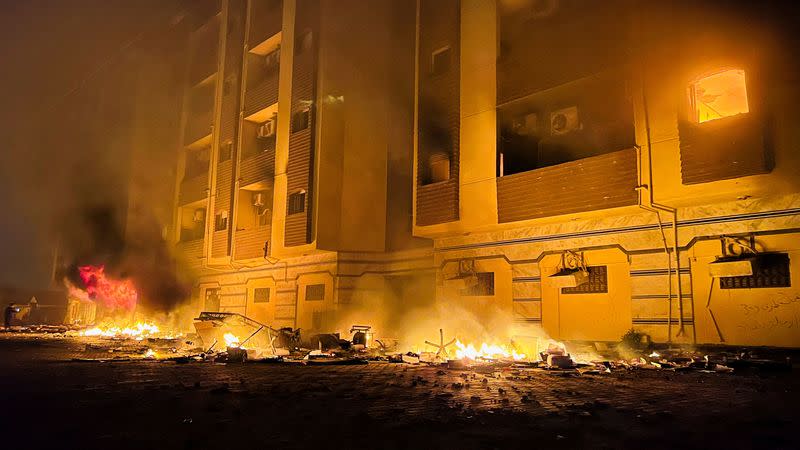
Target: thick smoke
95,235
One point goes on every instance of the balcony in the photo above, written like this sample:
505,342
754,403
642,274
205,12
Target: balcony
589,184
262,92
437,202
250,242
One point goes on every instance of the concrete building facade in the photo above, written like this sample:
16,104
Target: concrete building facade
595,167
292,200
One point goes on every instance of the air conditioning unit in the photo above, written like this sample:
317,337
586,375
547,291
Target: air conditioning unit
564,121
267,129
258,199
199,215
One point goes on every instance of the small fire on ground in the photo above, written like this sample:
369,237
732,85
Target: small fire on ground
138,331
109,305
487,351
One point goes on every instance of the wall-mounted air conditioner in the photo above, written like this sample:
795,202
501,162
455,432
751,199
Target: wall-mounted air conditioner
564,121
267,129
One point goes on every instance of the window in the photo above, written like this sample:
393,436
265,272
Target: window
221,221
597,284
225,151
297,202
300,120
484,286
723,94
212,300
440,61
770,270
315,292
261,295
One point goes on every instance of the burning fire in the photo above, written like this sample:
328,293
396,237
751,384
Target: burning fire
138,331
486,351
231,340
113,294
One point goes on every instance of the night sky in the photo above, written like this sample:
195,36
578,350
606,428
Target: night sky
48,48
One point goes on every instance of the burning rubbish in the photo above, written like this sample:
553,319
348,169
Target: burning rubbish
223,337
139,331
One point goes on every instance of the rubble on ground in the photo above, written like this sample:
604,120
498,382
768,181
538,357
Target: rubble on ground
289,346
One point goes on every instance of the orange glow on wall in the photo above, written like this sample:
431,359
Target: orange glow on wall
720,95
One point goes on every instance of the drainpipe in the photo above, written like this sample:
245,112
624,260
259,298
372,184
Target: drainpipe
655,207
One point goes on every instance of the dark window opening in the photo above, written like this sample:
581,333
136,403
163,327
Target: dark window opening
770,270
261,295
597,283
315,292
440,61
297,203
212,300
565,124
435,143
301,120
483,287
221,221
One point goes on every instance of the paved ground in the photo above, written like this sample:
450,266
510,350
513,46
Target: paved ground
49,401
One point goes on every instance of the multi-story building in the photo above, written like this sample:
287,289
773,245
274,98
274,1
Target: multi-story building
294,189
593,167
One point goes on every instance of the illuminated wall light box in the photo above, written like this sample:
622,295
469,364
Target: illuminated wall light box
569,277
728,266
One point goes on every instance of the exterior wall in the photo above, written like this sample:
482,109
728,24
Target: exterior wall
639,283
645,290
353,251
300,167
438,110
353,283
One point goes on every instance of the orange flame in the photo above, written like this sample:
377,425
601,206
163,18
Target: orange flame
486,351
112,293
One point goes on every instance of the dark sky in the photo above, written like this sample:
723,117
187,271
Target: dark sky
47,48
